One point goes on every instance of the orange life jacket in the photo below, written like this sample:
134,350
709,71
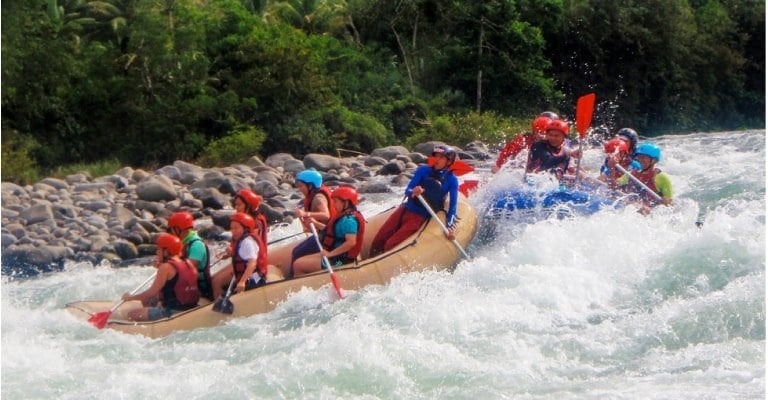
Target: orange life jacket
329,233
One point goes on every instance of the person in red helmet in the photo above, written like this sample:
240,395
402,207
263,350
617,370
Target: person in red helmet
551,153
181,224
525,140
249,265
341,238
175,284
249,202
617,152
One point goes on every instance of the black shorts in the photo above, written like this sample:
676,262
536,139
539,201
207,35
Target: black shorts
341,259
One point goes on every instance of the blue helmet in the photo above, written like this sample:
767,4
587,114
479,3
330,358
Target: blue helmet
650,150
310,177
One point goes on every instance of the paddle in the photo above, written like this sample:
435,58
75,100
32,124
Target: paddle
637,181
442,225
334,279
223,305
100,319
585,105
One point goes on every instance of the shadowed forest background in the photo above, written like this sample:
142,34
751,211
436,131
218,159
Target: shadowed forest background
141,83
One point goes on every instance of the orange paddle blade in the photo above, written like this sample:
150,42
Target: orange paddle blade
100,319
584,108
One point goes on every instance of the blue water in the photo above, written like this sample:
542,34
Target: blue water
609,306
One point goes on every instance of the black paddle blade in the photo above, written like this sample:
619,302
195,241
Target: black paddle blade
224,306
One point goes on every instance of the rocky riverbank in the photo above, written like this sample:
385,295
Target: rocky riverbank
116,217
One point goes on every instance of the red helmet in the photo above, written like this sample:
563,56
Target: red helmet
244,219
170,243
250,198
181,220
615,144
540,124
346,193
559,125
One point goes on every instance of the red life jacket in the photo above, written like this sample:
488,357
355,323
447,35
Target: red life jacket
325,192
239,264
180,292
513,148
329,236
261,226
648,177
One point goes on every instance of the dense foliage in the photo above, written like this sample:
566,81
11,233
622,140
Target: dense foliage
147,82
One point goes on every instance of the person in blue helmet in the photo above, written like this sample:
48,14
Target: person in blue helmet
434,181
316,208
653,180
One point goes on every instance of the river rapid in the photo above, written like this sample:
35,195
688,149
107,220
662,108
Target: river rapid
610,306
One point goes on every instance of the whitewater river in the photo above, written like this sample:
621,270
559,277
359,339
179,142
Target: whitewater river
610,306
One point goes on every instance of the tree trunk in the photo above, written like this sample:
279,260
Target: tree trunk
405,57
480,67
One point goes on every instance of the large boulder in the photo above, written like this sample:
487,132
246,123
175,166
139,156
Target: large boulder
156,188
38,213
277,160
321,162
390,152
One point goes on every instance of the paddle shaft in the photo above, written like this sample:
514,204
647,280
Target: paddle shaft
334,280
442,225
120,303
637,181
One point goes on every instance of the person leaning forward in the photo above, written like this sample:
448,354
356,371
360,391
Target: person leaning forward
175,284
434,181
181,225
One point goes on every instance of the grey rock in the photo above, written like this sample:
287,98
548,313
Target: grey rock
8,239
321,162
96,187
265,189
156,188
374,161
57,183
95,205
139,175
392,168
389,152
293,166
169,171
374,187
212,198
125,249
277,160
38,213
80,177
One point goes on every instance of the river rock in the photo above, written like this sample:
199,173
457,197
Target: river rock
56,183
321,162
37,213
389,152
156,188
278,160
394,167
125,249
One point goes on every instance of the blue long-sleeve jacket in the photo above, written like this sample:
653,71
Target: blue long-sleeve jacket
450,186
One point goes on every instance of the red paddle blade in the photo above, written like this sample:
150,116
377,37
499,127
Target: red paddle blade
100,319
337,286
460,168
468,186
584,108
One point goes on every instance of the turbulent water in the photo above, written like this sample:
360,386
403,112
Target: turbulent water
610,306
